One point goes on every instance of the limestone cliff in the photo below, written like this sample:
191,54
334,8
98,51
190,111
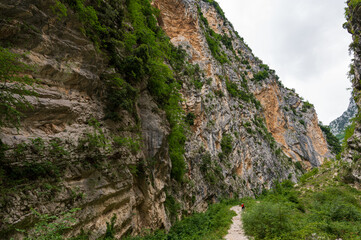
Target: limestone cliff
339,125
352,144
105,135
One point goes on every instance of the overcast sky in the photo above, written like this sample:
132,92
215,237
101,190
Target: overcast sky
304,42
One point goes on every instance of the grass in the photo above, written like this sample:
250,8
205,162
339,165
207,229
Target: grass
210,225
321,205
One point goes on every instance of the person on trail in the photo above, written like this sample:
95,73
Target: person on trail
242,206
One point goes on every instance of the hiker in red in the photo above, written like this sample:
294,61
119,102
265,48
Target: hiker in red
242,206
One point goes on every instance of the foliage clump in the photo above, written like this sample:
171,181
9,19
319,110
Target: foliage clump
213,224
332,141
261,75
227,144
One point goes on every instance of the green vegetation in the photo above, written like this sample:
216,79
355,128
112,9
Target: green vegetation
211,225
214,40
320,206
14,85
354,3
217,7
261,75
59,9
51,227
246,96
142,53
172,206
190,118
306,105
332,141
227,144
350,130
30,162
119,95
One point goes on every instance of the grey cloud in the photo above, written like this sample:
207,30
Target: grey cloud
304,42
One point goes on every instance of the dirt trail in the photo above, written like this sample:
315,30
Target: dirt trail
236,231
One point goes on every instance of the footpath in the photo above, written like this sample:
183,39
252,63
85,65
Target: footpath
236,231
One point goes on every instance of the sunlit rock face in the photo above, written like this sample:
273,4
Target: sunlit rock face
248,130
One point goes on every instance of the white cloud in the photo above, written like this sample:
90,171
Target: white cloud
304,42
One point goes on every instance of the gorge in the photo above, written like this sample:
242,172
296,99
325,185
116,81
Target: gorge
147,111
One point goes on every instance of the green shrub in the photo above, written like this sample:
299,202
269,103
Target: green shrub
267,219
235,92
172,206
130,143
59,9
119,95
110,232
308,175
298,166
227,144
354,3
213,224
176,141
261,75
306,105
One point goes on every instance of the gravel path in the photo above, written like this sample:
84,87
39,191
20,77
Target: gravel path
236,231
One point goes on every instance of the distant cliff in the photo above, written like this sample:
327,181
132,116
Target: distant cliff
145,111
339,125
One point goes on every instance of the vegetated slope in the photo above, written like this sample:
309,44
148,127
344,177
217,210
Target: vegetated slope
320,206
339,125
352,143
147,113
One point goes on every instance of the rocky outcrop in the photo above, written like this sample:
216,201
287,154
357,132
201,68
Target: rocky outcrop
245,129
293,124
339,125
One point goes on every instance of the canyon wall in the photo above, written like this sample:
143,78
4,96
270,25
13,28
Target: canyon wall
243,129
352,144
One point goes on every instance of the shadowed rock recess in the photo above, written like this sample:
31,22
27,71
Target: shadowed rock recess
145,111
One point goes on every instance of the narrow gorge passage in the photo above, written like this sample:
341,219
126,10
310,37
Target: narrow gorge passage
236,231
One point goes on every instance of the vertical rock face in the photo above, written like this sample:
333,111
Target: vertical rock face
352,147
293,124
246,130
339,125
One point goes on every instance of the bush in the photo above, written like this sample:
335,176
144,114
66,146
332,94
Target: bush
211,225
308,175
261,75
233,90
267,219
227,144
190,118
119,95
